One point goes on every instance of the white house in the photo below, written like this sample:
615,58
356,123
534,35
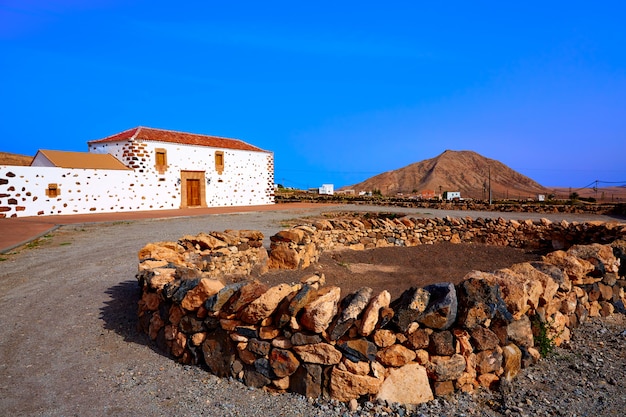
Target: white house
140,169
451,195
328,189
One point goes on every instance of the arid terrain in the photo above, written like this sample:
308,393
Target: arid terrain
69,344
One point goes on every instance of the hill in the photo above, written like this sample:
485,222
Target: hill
14,159
464,171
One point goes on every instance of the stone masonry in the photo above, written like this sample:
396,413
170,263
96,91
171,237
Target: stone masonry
308,338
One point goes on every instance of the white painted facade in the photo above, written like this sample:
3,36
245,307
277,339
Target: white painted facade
327,189
244,178
451,195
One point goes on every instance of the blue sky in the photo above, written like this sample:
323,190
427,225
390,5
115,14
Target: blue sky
339,91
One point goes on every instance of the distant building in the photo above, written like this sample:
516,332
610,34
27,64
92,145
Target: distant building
541,197
427,194
451,195
327,189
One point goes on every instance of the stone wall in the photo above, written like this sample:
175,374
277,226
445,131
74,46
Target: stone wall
431,341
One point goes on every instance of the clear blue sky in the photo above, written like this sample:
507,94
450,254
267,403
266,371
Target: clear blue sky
338,90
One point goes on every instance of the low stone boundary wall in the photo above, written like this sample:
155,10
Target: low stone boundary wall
431,341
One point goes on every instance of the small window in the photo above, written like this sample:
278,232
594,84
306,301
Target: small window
160,160
53,190
219,162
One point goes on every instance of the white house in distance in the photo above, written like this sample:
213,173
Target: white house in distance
451,195
140,169
327,189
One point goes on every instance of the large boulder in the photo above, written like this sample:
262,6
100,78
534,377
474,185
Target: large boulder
406,385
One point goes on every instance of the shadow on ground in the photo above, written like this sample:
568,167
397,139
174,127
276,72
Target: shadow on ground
120,314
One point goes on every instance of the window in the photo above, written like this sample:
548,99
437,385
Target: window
160,160
53,190
219,162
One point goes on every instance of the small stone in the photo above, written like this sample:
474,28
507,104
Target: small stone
345,386
371,314
320,353
395,355
283,362
384,338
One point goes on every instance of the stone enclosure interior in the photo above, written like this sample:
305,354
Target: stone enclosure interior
201,305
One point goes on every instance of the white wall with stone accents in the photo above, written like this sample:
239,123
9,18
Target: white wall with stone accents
247,179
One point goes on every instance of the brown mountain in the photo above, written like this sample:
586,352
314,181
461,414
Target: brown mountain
464,171
14,159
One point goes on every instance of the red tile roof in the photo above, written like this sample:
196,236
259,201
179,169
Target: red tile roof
171,136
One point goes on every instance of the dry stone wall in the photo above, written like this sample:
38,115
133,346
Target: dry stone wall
310,339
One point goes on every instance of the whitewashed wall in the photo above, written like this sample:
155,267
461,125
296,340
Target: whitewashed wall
247,179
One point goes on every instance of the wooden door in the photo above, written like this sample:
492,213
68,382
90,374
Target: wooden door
193,192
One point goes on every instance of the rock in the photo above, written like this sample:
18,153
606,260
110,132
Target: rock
162,251
607,262
443,388
442,306
291,306
446,368
260,347
307,380
345,386
195,297
161,277
442,343
351,308
298,339
317,314
384,338
520,332
548,284
215,303
358,368
419,339
290,235
150,301
518,292
265,305
218,353
395,355
255,379
576,269
555,273
409,307
202,241
484,339
282,383
283,257
359,350
283,362
319,353
246,294
370,316
489,381
480,300
512,361
488,361
406,385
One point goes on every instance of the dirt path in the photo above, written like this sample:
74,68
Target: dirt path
68,342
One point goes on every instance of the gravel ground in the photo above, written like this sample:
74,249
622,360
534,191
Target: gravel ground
69,346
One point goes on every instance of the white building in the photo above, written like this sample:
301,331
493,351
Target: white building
327,189
451,195
140,169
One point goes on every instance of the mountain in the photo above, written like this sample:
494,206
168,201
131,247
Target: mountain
14,159
464,171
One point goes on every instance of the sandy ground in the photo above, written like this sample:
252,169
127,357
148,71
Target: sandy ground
68,344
